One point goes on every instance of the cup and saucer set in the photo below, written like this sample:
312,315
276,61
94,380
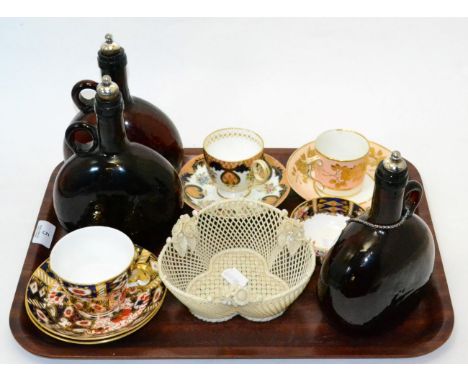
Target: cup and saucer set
96,287
339,163
233,165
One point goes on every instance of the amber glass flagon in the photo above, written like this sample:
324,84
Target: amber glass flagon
144,123
373,277
114,182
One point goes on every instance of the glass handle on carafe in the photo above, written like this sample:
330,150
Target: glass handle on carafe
413,195
86,105
76,132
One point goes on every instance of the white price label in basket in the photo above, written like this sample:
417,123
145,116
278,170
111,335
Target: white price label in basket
44,233
234,277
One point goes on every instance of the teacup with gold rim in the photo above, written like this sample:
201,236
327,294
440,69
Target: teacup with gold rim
235,161
339,165
92,265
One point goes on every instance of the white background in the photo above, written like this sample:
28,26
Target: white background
401,82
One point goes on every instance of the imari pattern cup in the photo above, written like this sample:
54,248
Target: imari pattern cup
235,161
92,265
340,163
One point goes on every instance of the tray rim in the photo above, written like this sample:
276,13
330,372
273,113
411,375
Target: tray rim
203,352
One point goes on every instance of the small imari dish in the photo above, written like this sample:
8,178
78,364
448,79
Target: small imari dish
297,172
324,220
200,191
51,311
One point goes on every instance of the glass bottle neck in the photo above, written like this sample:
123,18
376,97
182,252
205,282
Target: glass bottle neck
111,130
118,73
387,204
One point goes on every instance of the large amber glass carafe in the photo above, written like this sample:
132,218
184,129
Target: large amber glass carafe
379,266
114,182
144,122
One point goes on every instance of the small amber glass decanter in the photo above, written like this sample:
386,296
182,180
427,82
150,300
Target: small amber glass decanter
114,182
144,122
376,271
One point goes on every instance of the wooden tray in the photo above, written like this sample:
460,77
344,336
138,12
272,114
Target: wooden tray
302,332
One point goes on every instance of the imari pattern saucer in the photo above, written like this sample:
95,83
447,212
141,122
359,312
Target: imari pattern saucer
330,206
200,191
296,172
50,310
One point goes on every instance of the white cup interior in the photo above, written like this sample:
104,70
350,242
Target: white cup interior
342,145
91,255
233,144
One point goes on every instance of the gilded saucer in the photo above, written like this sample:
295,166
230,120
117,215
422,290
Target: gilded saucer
50,310
200,191
296,172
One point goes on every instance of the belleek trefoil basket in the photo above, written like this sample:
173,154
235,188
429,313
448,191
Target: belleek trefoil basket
237,257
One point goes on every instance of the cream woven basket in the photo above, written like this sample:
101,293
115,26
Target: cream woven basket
237,257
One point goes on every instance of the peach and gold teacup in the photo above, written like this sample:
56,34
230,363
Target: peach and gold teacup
339,165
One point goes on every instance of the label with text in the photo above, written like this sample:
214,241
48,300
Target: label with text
44,233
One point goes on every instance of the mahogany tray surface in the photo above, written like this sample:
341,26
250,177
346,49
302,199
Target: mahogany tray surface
302,332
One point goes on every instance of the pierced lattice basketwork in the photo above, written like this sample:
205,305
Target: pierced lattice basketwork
255,239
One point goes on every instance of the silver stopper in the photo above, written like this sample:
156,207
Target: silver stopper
110,47
107,90
395,162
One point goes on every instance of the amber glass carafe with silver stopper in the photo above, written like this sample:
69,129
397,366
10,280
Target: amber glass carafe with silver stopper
144,122
114,182
376,272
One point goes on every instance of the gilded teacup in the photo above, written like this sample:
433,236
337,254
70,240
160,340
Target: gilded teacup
235,161
340,163
92,265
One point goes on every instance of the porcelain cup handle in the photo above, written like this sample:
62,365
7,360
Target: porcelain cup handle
413,195
139,275
261,170
316,160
